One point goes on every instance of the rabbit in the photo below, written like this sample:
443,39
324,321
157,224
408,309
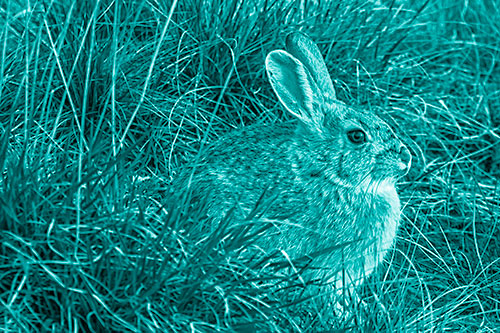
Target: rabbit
331,172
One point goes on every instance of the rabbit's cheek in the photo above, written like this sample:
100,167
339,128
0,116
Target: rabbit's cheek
353,166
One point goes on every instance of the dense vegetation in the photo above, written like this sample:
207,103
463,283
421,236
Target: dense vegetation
101,103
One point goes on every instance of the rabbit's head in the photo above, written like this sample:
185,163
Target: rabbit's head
351,147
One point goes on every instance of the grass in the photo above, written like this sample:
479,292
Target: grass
102,103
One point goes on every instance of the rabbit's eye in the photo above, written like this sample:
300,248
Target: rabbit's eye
356,136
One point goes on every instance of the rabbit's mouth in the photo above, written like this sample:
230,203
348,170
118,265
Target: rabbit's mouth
404,163
404,168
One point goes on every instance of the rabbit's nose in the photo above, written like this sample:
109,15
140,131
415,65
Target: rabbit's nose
405,156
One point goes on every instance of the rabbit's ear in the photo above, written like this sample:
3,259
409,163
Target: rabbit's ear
307,52
295,87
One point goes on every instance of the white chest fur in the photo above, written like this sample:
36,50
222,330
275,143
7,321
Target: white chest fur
386,218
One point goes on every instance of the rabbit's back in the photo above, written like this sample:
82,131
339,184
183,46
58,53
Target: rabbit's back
239,167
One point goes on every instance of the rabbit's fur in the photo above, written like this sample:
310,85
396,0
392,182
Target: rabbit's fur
330,193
